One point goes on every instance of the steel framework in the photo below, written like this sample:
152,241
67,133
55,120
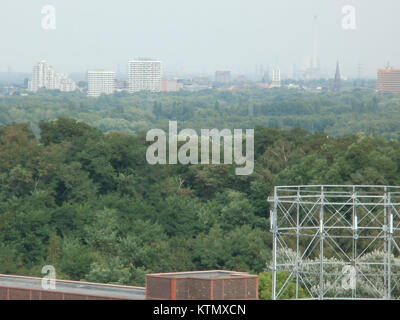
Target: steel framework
335,242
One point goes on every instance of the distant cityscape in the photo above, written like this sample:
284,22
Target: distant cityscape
146,75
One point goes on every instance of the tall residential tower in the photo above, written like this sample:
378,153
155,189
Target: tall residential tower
144,75
100,82
276,78
222,76
44,76
388,80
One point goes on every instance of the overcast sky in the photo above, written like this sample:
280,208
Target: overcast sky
199,36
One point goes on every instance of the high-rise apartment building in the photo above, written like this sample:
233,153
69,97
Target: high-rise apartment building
223,76
144,75
100,82
44,76
388,80
65,83
276,78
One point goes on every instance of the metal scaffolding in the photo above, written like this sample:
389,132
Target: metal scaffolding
335,242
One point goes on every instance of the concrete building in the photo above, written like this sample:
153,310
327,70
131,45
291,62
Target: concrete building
223,76
44,76
171,85
144,75
64,83
388,80
276,78
121,86
100,82
262,85
202,80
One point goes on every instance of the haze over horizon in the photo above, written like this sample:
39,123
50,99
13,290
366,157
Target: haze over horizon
199,37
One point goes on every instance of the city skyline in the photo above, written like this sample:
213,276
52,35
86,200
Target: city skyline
261,73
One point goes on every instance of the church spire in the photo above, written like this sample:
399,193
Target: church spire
337,81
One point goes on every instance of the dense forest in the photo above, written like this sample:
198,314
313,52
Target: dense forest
77,192
359,111
88,203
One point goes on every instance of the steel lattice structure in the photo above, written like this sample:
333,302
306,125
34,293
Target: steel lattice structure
335,242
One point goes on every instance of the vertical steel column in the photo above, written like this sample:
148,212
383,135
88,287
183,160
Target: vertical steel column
354,240
321,245
389,246
298,242
274,250
385,227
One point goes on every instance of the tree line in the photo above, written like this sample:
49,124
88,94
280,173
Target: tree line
358,111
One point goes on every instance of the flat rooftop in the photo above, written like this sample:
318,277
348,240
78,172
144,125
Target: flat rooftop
76,287
214,274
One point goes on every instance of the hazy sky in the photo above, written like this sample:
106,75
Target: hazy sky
199,36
